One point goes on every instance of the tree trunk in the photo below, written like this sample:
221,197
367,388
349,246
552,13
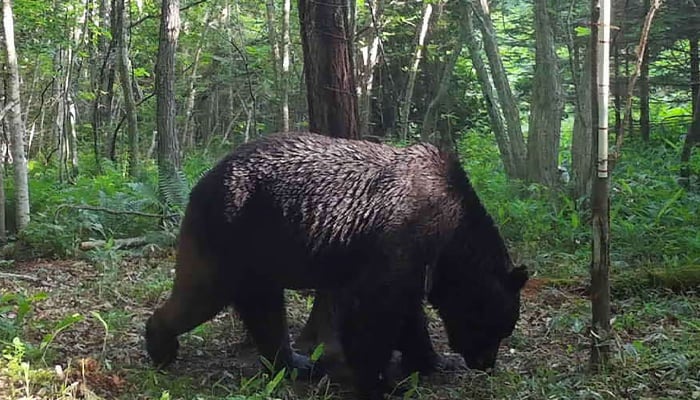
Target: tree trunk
187,131
641,54
119,31
694,71
421,33
511,162
582,140
369,54
14,116
168,146
692,139
430,118
276,57
284,72
328,67
644,93
546,105
600,260
332,102
505,95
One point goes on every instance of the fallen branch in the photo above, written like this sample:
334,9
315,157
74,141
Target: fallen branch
9,275
118,243
111,211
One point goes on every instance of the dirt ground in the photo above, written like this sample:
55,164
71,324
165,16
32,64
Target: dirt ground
549,350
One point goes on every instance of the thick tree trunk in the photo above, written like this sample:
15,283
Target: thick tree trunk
511,162
582,140
14,115
119,31
546,105
168,146
505,95
421,33
328,67
326,32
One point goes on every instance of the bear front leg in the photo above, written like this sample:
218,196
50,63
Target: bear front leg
417,353
262,309
368,323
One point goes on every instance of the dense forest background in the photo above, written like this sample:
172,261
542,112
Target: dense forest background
506,84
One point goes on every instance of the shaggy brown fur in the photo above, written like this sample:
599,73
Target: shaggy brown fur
360,220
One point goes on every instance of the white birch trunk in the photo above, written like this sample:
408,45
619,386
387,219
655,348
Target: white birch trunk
15,121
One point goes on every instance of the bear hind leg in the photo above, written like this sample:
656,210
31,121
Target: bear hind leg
262,309
197,296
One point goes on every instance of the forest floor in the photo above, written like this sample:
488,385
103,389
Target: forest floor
83,339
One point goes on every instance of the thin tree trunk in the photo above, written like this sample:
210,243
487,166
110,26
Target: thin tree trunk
692,138
617,99
421,33
582,140
600,222
546,106
644,92
511,162
430,118
276,57
369,55
120,32
694,71
168,146
329,67
14,116
187,140
284,72
3,135
506,98
641,50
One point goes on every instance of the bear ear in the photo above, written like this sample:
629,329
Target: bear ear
518,277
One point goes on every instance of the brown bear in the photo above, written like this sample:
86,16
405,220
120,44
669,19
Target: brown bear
376,227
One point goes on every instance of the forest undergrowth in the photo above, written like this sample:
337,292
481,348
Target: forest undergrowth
71,321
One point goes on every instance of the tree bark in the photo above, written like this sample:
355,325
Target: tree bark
168,146
329,68
600,221
14,116
421,33
119,31
582,141
694,70
546,105
506,98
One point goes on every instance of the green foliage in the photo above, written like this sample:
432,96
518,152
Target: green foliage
653,220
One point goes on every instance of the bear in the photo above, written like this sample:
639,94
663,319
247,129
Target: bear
377,228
